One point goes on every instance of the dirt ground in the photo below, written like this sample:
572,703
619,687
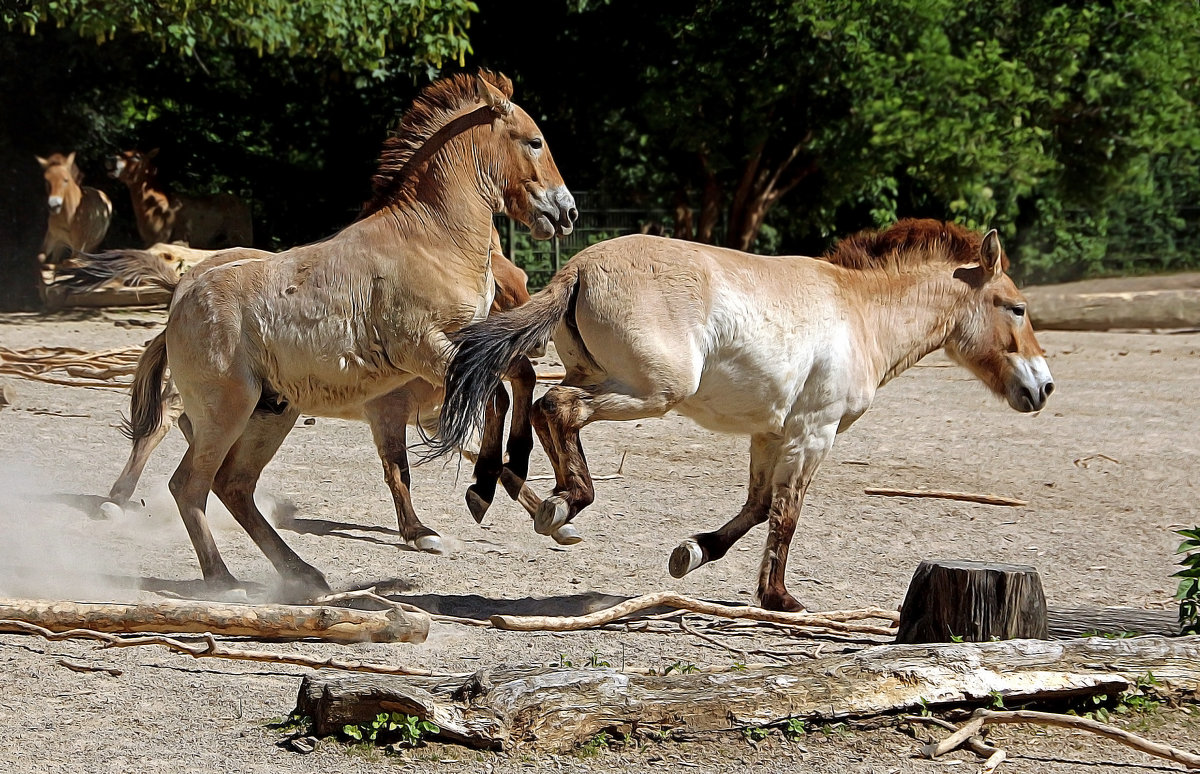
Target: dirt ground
1109,469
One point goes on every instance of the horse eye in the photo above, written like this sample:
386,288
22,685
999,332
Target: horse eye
536,143
1018,310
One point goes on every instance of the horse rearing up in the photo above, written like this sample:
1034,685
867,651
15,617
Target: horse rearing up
344,326
787,350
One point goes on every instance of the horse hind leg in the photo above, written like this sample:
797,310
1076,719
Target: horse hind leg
388,417
705,547
139,455
520,435
235,483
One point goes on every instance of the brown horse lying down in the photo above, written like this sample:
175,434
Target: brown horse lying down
79,215
787,350
157,267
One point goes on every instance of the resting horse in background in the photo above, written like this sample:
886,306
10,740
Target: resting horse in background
221,220
79,215
139,267
344,327
787,350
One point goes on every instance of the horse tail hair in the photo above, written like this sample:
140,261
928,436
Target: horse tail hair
129,267
481,355
146,401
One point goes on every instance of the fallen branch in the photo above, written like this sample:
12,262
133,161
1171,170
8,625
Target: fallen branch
834,620
332,624
210,648
84,369
75,667
983,717
986,499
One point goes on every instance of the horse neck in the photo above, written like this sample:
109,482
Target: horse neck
907,315
71,200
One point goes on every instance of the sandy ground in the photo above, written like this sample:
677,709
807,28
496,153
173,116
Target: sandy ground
1108,469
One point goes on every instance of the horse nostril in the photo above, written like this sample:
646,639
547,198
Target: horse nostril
1047,389
572,215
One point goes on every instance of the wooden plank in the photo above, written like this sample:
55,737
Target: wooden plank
553,709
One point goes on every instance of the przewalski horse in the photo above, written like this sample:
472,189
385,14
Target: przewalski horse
157,267
79,215
344,326
209,222
787,350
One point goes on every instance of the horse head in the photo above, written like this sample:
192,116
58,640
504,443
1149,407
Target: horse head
993,336
130,166
527,183
61,174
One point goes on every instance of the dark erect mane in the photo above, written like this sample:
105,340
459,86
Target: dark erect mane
908,243
431,110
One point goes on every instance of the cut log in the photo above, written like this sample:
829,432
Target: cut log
333,624
557,710
59,296
1068,623
1165,301
973,602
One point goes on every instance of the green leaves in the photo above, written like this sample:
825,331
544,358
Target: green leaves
1188,592
392,728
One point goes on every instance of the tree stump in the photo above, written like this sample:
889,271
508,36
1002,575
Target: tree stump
972,601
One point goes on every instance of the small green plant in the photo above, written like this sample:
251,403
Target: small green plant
738,666
925,711
564,662
595,662
756,733
956,638
591,748
997,700
794,728
1188,592
391,728
295,723
681,668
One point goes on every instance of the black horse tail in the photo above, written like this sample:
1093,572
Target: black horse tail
482,352
131,267
145,404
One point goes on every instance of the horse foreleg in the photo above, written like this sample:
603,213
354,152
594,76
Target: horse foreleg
704,547
388,417
489,461
139,455
793,471
235,483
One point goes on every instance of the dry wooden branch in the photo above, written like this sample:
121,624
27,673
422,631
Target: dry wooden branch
333,624
210,648
833,621
986,499
74,667
84,369
983,717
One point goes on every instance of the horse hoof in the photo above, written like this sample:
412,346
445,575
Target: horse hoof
567,535
551,515
430,544
110,510
686,557
477,506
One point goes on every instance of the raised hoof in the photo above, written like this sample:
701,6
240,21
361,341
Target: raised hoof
477,506
109,510
686,557
551,515
567,535
430,544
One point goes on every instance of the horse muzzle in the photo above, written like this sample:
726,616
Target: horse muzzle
55,203
1030,385
554,213
114,165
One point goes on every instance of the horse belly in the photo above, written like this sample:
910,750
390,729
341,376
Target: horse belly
736,399
341,395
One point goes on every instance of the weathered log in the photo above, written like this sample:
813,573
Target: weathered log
972,601
59,296
1068,623
1170,301
559,709
333,624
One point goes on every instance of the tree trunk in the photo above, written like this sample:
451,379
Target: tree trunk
334,624
560,709
972,602
23,216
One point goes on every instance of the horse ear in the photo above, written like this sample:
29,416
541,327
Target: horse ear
991,254
492,97
44,162
70,162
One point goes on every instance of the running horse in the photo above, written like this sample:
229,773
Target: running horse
79,215
787,350
344,327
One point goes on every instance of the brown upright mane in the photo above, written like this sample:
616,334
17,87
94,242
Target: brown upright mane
431,110
908,243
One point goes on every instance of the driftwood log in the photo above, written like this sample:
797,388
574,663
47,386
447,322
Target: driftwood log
974,602
1170,301
559,709
332,624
